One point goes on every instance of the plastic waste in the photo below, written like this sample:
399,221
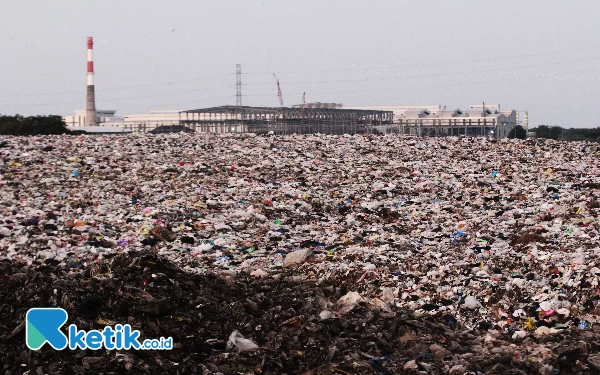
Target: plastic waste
584,325
460,231
297,257
472,302
236,340
348,302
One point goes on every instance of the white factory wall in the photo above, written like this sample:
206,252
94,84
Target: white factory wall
401,110
102,116
475,115
136,123
144,122
423,115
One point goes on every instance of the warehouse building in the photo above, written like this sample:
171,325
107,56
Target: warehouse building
327,118
136,123
102,117
283,120
433,120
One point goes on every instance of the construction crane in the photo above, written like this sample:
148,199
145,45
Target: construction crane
279,91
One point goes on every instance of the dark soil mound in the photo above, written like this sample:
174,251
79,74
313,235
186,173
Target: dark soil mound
280,316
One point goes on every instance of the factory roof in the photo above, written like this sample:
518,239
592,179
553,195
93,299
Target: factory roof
171,129
100,129
248,109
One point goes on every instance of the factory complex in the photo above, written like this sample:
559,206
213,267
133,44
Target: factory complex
306,118
428,120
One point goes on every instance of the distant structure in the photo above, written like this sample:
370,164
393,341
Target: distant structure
279,95
434,121
101,129
163,129
135,123
285,120
306,118
90,108
319,105
146,122
238,85
326,118
103,117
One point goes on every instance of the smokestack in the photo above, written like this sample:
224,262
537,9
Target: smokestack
90,108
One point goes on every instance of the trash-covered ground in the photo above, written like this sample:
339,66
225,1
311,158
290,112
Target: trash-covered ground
307,254
282,319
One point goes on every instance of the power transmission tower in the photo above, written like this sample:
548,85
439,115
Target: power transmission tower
238,91
238,85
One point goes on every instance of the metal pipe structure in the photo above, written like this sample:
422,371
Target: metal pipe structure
285,120
90,107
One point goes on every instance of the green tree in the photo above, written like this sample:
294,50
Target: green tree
556,132
518,132
33,125
571,134
544,131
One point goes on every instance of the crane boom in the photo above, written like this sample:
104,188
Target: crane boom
279,91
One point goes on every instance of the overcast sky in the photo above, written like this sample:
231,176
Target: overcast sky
537,55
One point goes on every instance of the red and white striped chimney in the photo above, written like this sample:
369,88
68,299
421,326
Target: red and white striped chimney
90,108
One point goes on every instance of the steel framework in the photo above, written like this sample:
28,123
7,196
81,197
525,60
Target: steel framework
238,85
262,120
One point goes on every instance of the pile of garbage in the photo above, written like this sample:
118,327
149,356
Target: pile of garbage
245,325
496,238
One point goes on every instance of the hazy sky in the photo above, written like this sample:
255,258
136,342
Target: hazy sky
537,55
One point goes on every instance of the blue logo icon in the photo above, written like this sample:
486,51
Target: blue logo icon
42,325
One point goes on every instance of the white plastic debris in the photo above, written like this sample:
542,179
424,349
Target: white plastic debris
472,302
297,257
519,335
348,302
325,315
259,273
410,365
236,340
542,331
417,223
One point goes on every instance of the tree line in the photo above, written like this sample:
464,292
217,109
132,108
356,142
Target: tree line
33,125
564,134
45,125
558,133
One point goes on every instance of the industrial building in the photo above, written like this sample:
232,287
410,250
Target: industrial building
101,129
305,118
433,120
328,118
285,120
103,117
146,122
428,120
136,123
90,107
333,118
163,129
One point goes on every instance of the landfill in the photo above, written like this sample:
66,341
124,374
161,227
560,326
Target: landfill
305,254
